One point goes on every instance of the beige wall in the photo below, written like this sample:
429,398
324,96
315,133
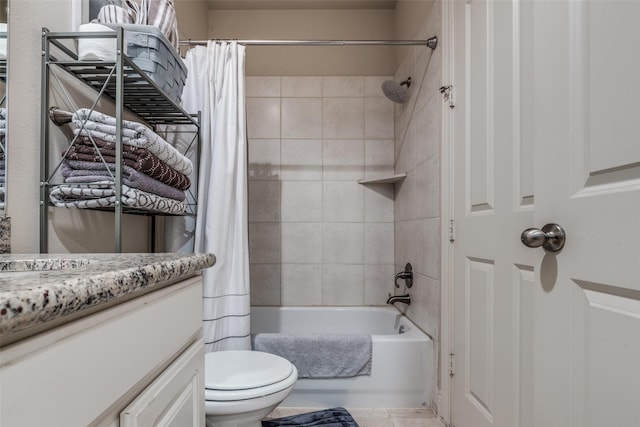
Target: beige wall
410,18
193,18
26,18
310,24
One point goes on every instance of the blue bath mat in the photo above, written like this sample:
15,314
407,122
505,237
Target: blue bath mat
334,417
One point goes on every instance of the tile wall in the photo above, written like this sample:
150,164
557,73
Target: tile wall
316,236
417,198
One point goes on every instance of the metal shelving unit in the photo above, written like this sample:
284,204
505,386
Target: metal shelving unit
124,84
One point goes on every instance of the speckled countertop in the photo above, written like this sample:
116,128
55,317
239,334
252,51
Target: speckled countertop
39,289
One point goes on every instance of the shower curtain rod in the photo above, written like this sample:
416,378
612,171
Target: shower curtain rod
431,42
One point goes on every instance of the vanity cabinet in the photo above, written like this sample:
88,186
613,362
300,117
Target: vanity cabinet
119,85
134,364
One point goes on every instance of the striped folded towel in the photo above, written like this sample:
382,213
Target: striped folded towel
161,14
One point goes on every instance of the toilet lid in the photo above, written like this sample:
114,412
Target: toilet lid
242,370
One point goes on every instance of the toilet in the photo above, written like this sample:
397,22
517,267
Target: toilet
242,387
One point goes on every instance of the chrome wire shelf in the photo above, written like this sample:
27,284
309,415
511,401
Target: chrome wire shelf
141,95
127,87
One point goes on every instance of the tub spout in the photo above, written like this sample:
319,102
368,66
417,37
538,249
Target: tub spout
405,299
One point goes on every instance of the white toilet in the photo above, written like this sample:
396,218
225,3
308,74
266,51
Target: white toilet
242,387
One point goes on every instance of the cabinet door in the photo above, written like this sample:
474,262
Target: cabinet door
175,398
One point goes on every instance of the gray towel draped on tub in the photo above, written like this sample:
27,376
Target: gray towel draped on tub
320,355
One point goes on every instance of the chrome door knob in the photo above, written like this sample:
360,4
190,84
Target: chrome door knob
551,237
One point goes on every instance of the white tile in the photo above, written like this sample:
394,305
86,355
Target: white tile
430,255
262,86
374,422
293,87
406,152
342,159
343,118
301,284
405,201
414,422
378,118
425,304
428,189
343,201
343,243
427,126
368,412
401,235
301,243
373,86
263,117
264,242
378,158
378,203
408,243
410,413
378,243
302,118
343,284
264,159
405,70
264,201
265,284
343,86
378,283
301,159
302,201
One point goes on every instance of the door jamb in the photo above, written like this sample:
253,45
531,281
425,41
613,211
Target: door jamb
445,403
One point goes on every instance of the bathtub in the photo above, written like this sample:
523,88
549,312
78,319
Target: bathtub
401,362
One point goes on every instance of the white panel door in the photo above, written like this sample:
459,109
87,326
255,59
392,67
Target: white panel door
587,298
493,202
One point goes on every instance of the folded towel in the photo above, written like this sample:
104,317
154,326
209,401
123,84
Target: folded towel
322,355
103,194
74,172
97,49
162,14
114,14
138,158
103,126
333,417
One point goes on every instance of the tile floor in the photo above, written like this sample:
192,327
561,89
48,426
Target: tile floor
376,417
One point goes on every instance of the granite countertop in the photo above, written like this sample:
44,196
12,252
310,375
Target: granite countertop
36,290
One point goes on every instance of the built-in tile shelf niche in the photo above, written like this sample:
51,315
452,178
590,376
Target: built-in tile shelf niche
392,179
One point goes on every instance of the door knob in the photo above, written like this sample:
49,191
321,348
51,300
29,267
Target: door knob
551,237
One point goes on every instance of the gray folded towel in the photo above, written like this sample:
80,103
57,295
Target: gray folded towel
321,355
77,171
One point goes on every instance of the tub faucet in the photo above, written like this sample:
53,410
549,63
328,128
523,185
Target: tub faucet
405,299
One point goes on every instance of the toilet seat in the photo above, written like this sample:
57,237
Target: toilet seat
241,375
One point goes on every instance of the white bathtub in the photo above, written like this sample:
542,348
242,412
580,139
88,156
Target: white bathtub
401,361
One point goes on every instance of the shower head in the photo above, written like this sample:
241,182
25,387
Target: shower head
396,91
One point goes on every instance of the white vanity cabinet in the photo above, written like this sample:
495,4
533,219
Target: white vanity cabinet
132,364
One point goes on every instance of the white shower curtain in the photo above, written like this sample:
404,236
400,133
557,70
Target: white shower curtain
215,86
